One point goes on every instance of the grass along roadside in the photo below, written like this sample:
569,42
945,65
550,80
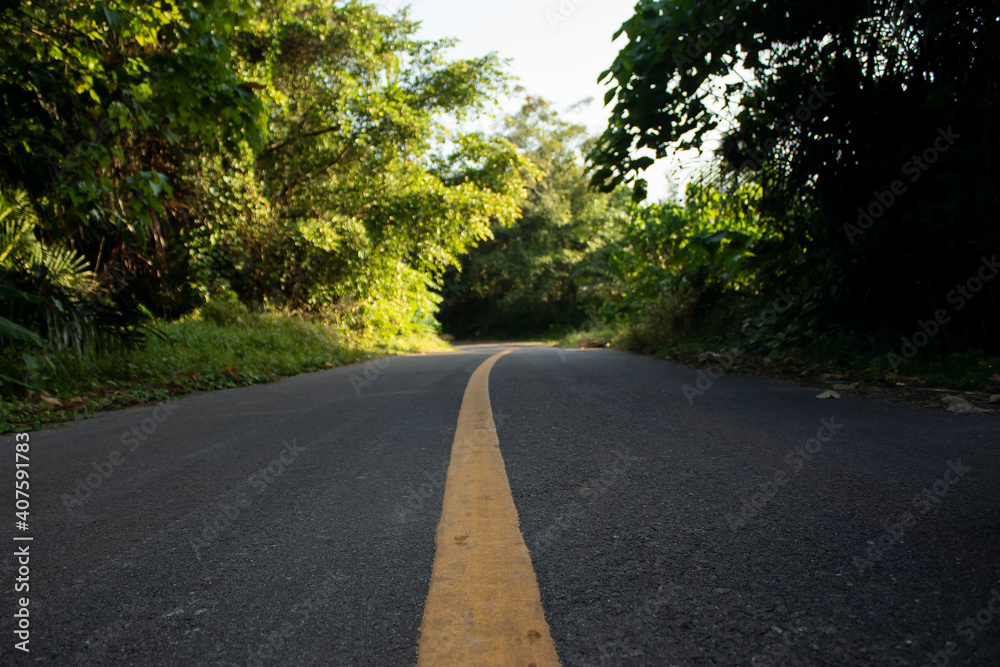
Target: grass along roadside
211,350
926,381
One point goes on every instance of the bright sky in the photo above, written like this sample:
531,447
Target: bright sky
557,50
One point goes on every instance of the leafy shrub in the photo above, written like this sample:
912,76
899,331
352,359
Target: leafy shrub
224,308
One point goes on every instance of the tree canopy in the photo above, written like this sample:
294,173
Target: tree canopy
870,127
297,154
542,271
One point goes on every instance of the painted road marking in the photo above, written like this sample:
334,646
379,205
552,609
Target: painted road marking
483,606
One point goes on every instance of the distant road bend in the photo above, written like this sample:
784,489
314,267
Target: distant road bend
514,504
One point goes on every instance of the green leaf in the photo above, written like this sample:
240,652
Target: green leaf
13,330
8,378
11,293
114,20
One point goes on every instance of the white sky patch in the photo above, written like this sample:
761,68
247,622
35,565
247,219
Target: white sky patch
557,49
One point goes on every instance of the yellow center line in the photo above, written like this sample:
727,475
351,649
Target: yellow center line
483,606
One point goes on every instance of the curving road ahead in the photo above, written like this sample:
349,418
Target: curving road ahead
294,523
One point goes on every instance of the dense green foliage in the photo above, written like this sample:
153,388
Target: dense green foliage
687,277
265,162
42,287
696,252
155,155
352,203
99,100
869,133
549,268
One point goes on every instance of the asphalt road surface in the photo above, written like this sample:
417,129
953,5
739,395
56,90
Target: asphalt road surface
294,523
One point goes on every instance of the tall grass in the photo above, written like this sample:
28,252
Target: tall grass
222,345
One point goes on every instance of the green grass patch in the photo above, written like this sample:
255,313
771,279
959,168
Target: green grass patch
592,335
216,348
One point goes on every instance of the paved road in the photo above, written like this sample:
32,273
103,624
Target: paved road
294,523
